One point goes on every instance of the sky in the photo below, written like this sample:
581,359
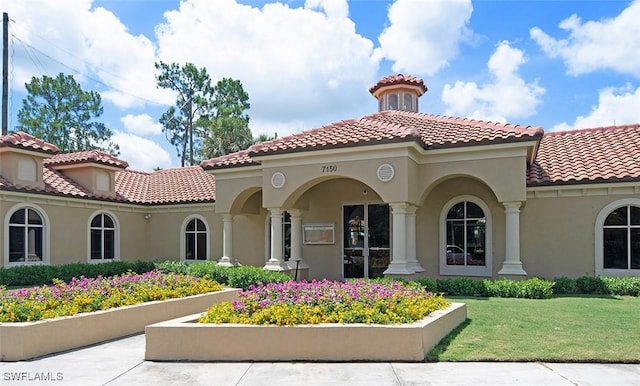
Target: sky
560,65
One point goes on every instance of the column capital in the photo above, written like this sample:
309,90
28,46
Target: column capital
275,211
512,206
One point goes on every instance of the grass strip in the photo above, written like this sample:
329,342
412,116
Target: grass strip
560,329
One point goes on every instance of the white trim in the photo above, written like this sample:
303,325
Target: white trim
584,190
599,255
86,203
46,243
116,222
445,269
183,229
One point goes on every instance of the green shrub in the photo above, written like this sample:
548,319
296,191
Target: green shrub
565,286
591,285
503,288
461,286
623,286
211,270
245,276
45,274
172,266
428,283
534,288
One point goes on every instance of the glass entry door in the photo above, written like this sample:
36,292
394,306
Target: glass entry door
366,240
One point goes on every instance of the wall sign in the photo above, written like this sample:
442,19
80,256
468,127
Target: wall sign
318,233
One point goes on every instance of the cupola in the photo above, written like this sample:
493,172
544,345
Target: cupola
398,92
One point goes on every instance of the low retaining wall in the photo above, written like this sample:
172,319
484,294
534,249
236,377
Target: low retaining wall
183,339
25,340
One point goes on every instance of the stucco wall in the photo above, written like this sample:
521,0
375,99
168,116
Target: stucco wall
156,238
557,235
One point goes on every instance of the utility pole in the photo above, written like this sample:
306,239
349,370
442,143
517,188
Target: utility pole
5,72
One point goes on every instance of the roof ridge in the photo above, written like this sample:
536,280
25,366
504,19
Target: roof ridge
593,129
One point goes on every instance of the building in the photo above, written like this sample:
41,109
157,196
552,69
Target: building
395,193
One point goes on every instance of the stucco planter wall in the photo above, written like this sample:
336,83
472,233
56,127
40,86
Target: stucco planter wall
25,340
184,339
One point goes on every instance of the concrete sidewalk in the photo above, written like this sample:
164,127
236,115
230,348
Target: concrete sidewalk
121,362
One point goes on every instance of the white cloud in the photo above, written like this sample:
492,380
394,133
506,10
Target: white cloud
616,106
141,124
90,43
423,36
507,97
141,154
293,62
596,45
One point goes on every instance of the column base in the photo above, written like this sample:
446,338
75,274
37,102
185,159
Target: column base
415,266
226,261
512,268
403,268
277,265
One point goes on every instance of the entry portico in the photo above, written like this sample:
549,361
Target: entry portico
365,197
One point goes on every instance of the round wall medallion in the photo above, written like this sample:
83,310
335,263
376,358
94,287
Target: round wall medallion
278,180
385,172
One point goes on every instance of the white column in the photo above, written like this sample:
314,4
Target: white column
412,256
399,264
276,259
512,264
227,259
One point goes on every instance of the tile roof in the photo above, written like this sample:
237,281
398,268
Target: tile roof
240,158
90,156
171,186
398,79
21,139
180,185
430,131
603,154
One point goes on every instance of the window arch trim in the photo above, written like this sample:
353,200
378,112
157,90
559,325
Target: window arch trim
116,236
46,242
183,233
599,239
460,270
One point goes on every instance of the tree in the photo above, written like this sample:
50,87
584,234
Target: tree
227,125
264,138
195,93
58,111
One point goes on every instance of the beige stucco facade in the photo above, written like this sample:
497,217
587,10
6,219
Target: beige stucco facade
555,236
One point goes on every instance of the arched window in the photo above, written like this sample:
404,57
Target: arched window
465,238
102,239
618,239
26,231
196,239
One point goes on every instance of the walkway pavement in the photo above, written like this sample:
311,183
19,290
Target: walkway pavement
121,362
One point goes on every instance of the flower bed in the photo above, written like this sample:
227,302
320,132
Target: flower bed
358,301
322,321
43,320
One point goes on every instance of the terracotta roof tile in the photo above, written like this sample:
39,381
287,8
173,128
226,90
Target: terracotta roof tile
90,156
27,141
398,79
177,185
228,161
586,156
430,131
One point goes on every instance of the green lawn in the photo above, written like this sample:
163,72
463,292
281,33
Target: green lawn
561,329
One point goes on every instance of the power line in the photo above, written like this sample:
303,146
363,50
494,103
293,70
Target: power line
109,87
